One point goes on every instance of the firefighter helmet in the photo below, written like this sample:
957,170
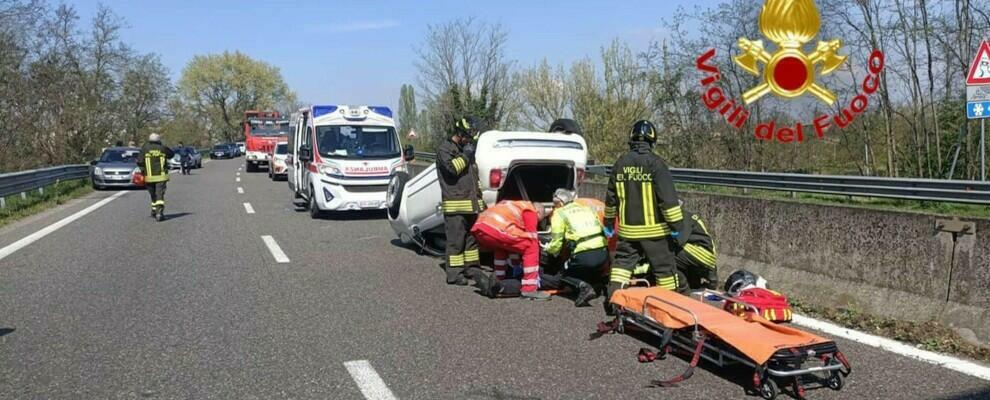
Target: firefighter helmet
643,131
743,279
468,126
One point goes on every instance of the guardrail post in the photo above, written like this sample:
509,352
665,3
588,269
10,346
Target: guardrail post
41,190
3,202
24,195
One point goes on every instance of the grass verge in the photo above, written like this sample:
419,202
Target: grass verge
17,208
929,335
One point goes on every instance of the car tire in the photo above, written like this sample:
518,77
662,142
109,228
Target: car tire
393,193
314,209
97,187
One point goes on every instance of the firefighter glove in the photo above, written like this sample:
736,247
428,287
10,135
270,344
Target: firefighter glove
468,151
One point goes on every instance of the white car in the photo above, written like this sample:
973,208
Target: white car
277,166
511,166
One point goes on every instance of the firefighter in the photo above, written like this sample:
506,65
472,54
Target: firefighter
461,200
153,161
510,227
641,194
579,229
696,260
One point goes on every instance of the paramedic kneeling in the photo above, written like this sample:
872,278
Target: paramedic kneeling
579,229
510,227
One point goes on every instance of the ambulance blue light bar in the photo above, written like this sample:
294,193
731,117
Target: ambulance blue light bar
323,110
382,110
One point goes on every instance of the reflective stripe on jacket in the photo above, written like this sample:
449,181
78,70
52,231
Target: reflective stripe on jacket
153,161
641,194
460,188
507,218
578,226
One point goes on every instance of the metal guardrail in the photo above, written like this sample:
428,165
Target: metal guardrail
971,192
426,156
25,181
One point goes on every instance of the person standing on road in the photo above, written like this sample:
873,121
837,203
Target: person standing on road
153,161
641,194
510,227
461,200
578,228
185,159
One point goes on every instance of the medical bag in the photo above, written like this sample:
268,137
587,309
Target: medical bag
771,305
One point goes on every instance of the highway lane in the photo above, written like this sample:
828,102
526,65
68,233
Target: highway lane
115,305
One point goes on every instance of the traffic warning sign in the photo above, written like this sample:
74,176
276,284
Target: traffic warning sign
979,71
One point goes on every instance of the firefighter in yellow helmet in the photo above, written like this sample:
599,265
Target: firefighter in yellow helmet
641,194
153,161
461,200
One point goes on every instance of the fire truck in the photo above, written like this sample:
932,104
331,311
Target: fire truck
263,130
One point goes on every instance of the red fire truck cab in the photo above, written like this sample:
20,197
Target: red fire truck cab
263,130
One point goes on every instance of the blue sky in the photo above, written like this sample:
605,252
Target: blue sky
360,52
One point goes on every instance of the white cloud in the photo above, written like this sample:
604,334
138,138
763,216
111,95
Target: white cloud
355,26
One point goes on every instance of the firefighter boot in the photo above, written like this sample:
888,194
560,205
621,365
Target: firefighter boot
455,276
584,294
489,286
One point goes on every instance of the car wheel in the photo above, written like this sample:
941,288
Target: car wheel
97,187
314,209
393,194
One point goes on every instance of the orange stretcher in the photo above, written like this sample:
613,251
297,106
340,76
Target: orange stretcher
776,352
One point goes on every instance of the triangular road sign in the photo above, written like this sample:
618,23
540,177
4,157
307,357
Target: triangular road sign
979,72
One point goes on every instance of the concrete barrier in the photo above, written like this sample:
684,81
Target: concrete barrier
887,263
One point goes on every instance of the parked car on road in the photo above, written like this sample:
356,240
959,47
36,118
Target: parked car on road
223,150
277,159
114,168
176,161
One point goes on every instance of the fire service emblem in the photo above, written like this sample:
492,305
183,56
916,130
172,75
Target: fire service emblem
788,72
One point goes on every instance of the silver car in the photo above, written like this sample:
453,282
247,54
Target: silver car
176,161
115,168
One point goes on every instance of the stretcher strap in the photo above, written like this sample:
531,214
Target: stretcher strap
845,363
690,369
604,328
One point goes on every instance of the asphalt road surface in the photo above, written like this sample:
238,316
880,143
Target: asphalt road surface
116,306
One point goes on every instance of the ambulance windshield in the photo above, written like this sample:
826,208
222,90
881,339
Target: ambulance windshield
354,141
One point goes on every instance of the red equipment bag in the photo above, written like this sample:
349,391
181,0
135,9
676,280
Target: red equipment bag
138,179
773,306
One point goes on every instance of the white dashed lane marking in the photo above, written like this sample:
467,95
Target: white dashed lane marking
276,251
371,385
240,190
248,208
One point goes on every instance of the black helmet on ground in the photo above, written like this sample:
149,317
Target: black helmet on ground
565,125
742,279
643,131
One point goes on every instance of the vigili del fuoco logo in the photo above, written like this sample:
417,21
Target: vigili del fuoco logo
788,72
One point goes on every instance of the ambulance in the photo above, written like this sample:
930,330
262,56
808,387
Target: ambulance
341,158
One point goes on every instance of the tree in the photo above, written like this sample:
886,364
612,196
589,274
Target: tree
408,115
463,70
145,91
220,87
544,94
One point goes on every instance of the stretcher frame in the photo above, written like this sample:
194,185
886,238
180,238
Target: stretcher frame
694,340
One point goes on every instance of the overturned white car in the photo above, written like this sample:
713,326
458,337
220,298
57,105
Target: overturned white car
511,166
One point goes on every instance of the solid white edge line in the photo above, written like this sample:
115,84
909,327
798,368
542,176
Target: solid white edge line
240,190
20,244
372,386
959,365
248,209
276,251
